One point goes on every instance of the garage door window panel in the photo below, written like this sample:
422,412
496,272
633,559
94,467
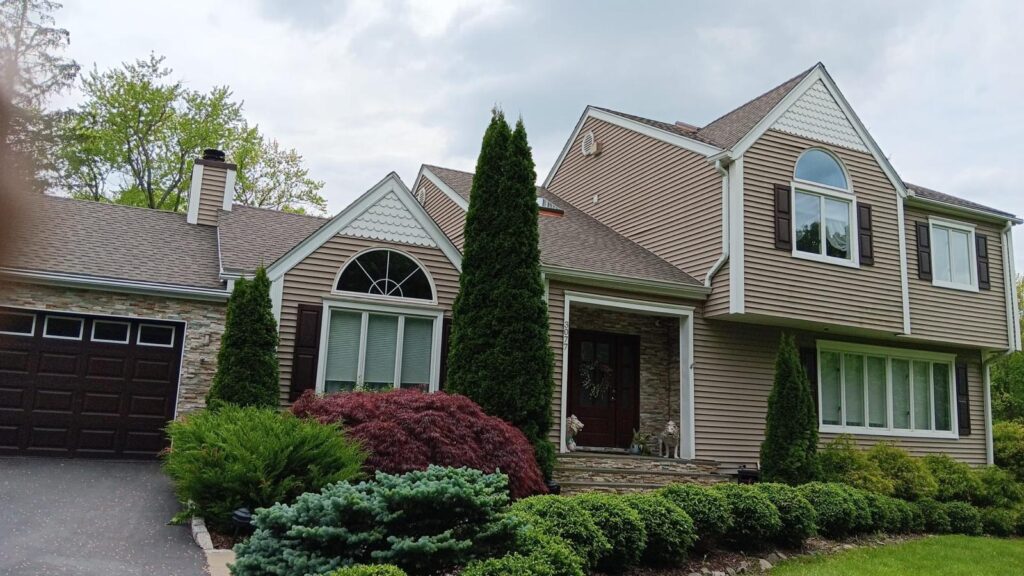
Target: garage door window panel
110,332
17,323
63,328
156,335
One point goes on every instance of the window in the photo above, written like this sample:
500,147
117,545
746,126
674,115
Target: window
112,332
823,210
378,350
872,390
17,323
156,335
63,328
385,273
953,257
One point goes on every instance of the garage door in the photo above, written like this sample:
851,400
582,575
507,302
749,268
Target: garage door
86,386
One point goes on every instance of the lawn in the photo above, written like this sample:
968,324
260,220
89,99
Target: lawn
935,556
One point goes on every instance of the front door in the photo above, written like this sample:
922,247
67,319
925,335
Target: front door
604,391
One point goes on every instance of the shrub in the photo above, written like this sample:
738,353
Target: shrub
566,518
997,487
253,457
424,522
1008,447
861,521
670,534
795,512
621,525
936,518
834,510
406,430
842,461
791,425
708,510
886,516
369,570
909,476
911,518
756,522
1019,525
954,479
963,518
534,540
247,372
998,521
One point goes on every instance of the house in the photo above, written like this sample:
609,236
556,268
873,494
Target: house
674,257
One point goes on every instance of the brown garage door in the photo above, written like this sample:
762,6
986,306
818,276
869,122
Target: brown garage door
86,386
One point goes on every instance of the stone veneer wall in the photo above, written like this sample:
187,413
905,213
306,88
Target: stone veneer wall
205,323
659,359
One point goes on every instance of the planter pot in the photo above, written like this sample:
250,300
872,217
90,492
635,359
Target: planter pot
553,487
636,449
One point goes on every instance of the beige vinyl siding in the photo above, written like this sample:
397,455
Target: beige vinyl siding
970,318
662,197
312,280
211,195
780,284
718,301
450,217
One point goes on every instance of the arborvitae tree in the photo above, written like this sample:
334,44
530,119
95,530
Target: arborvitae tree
500,354
789,450
247,372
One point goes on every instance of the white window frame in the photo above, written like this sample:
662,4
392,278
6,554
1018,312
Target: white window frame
972,255
23,334
384,298
127,334
138,337
889,354
367,308
81,328
823,192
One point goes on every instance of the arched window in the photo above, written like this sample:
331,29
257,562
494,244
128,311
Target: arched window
820,167
385,273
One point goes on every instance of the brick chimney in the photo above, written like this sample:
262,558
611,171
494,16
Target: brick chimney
213,188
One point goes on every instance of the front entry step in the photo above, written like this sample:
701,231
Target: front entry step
590,471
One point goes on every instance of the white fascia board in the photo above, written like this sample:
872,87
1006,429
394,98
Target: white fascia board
625,283
229,189
193,194
953,209
390,183
737,296
444,188
113,285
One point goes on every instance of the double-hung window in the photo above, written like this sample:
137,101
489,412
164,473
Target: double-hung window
873,390
954,263
823,218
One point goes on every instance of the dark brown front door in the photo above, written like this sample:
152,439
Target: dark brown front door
604,391
86,386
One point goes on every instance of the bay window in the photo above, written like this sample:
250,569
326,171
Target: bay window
873,390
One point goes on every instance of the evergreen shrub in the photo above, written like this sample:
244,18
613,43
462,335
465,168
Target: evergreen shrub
621,525
963,518
788,452
841,460
835,511
936,518
796,513
670,534
954,480
708,510
567,519
756,521
910,477
998,522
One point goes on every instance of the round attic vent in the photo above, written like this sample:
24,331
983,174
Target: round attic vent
589,146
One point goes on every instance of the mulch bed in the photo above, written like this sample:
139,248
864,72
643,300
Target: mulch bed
223,541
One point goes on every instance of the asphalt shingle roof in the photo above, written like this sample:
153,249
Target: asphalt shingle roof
577,241
253,236
935,195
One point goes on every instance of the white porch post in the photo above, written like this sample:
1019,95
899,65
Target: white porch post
687,440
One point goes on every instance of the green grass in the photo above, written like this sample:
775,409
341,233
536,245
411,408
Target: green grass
936,556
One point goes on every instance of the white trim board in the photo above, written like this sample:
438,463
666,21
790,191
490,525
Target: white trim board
114,285
193,194
447,190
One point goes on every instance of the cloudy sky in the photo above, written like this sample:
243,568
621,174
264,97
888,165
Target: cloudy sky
362,88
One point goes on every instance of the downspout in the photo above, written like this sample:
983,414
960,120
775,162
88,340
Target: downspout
725,225
986,374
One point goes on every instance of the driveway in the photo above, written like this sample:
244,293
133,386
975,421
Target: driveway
86,518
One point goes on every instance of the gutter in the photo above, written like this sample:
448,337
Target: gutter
625,283
725,220
115,285
955,209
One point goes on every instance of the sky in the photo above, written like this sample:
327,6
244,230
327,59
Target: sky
363,88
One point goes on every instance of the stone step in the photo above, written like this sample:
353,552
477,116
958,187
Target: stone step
569,488
627,472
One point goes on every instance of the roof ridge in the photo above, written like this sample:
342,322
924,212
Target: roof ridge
277,211
106,203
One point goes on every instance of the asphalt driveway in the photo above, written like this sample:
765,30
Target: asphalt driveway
91,518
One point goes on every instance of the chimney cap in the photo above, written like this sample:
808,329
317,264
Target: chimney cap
214,154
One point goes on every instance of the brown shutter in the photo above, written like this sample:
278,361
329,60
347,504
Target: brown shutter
981,250
865,238
446,332
783,218
307,350
809,359
924,251
963,401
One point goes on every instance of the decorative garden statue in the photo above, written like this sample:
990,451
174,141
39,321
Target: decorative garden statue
670,440
573,426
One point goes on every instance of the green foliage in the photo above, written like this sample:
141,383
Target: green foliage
835,511
955,480
998,521
621,525
796,513
791,426
500,356
536,541
910,478
861,521
756,522
886,516
567,519
936,519
1008,446
369,570
272,176
247,372
963,518
425,522
1008,386
911,518
997,487
248,457
708,510
843,461
670,534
